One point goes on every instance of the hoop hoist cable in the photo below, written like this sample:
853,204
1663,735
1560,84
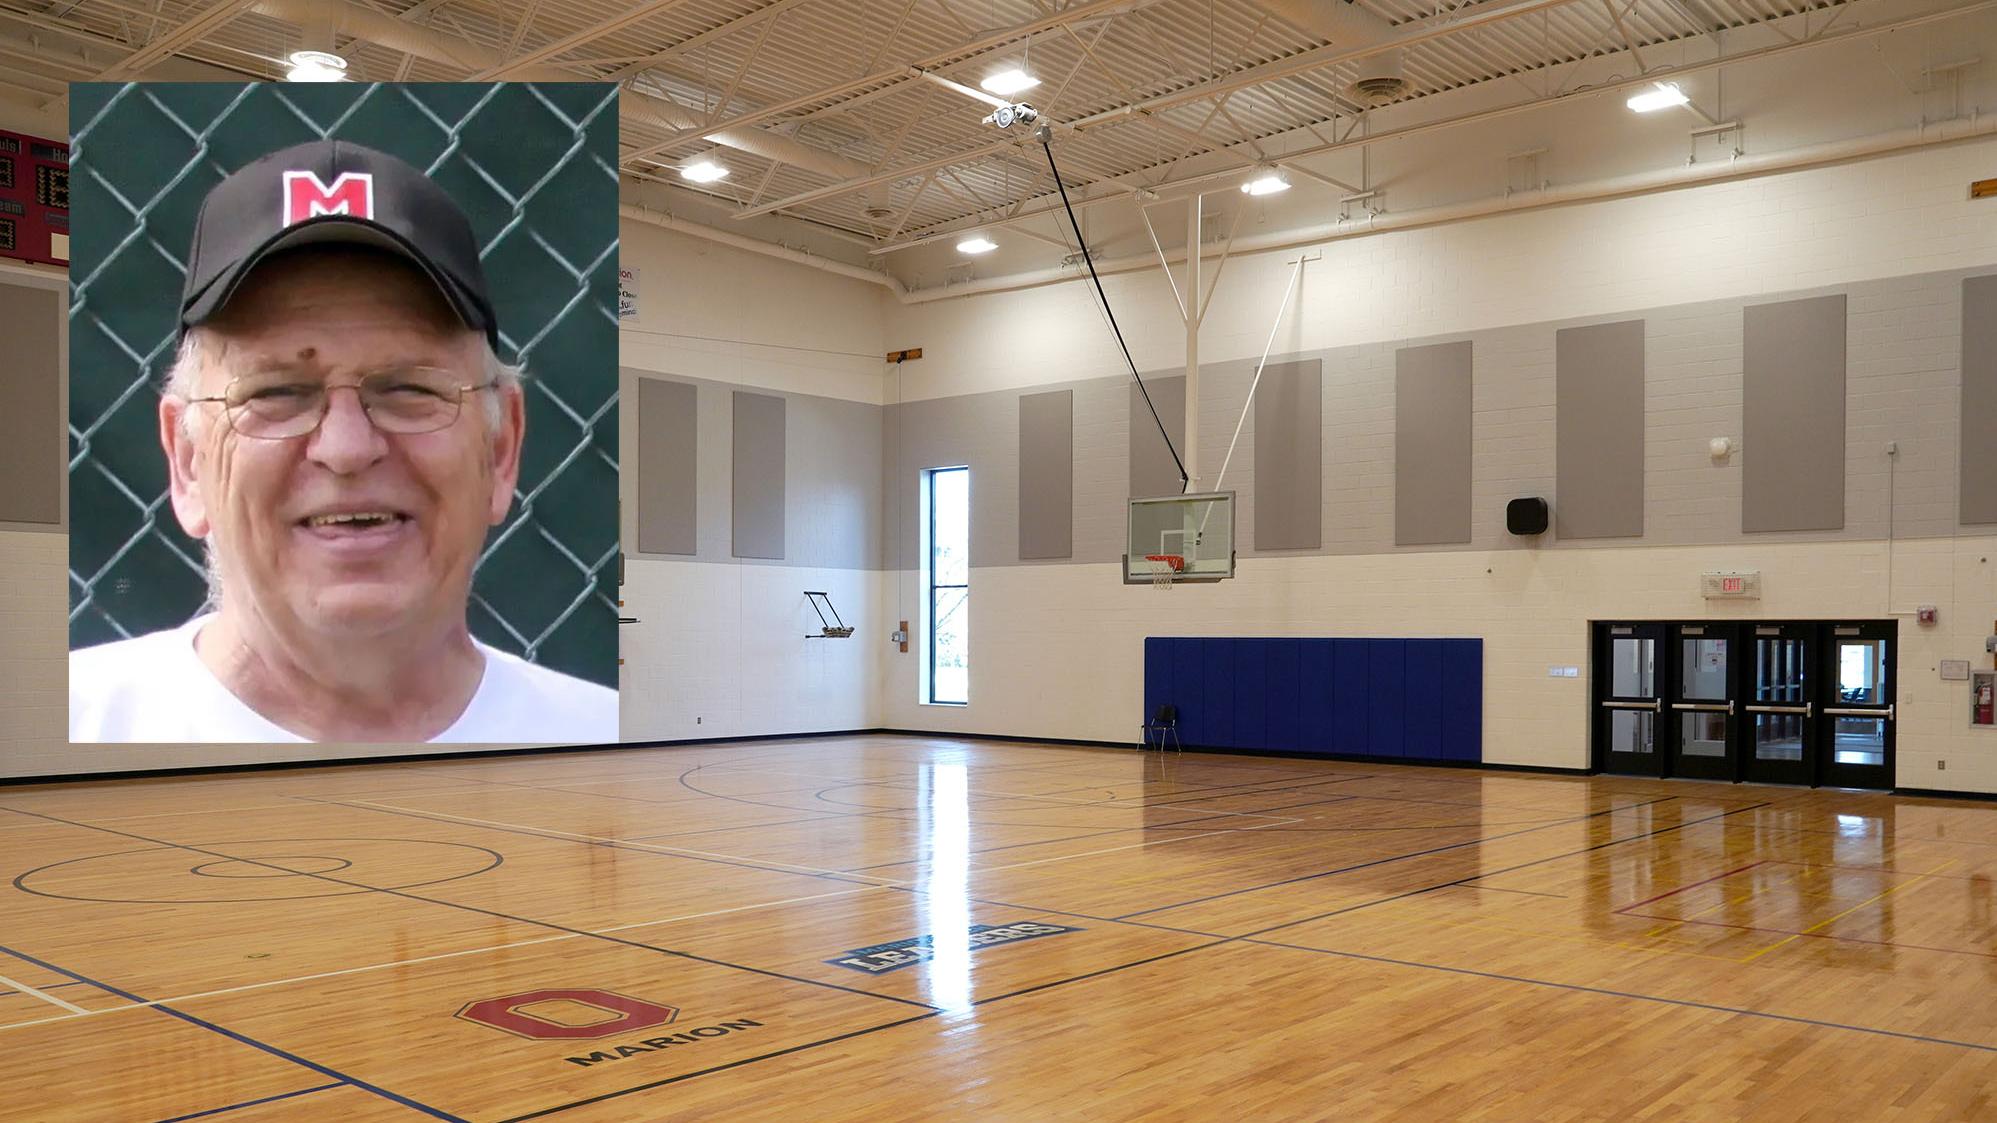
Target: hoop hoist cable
1046,142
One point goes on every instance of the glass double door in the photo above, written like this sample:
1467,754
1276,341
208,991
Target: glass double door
1788,703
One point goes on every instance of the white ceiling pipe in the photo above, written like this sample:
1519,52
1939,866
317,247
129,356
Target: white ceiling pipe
1644,183
352,20
781,253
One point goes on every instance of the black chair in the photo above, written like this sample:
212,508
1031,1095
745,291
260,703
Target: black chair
1166,720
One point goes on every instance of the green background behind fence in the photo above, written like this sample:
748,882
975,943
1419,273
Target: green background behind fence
533,166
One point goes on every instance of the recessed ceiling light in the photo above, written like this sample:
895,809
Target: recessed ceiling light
1266,181
1007,82
1664,95
977,244
703,170
315,66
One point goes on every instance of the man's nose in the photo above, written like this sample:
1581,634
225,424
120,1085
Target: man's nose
346,441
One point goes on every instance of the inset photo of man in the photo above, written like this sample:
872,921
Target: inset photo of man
352,477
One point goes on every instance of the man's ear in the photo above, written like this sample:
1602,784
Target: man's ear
182,464
505,450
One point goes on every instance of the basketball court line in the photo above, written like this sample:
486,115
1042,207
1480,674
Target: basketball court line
1495,873
1398,858
596,1099
1056,801
766,865
459,954
252,1103
1868,902
1584,989
273,1050
23,988
503,916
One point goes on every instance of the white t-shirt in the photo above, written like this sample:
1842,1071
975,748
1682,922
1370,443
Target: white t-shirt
156,689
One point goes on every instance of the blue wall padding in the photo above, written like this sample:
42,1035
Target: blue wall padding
1412,699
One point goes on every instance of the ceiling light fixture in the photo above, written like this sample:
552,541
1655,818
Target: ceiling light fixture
1665,95
1266,181
1008,82
315,66
976,244
703,170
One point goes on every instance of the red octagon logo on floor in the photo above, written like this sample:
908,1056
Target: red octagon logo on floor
621,1014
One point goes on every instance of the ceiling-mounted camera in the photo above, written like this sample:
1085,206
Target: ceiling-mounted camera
1006,116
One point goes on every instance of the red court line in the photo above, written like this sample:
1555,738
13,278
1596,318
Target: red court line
1683,888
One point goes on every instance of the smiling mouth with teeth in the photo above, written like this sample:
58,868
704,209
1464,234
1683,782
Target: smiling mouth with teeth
361,520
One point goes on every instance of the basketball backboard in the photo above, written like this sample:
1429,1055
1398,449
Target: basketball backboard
1198,528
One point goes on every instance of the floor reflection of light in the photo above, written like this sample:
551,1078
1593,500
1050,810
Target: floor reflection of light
1852,824
946,907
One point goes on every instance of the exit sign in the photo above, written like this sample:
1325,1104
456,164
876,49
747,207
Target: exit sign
1730,586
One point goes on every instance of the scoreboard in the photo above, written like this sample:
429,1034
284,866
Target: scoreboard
34,199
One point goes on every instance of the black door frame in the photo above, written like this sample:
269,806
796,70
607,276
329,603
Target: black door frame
1605,704
1814,714
1837,708
1678,706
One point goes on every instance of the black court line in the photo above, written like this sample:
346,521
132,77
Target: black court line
549,924
1685,1002
232,1035
1494,873
1501,889
251,1103
1395,858
717,1068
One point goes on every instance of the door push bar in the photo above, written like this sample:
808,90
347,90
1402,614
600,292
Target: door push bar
1653,705
1806,709
1886,713
1726,707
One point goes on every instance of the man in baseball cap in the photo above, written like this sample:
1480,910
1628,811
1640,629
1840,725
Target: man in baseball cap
340,433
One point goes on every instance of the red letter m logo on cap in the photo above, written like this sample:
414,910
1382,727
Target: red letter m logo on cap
305,197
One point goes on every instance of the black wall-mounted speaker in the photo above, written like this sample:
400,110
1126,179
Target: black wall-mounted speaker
1526,516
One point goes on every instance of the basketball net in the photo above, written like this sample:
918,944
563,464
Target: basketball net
1165,569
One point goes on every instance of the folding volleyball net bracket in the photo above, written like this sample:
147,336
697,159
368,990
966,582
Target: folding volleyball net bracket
833,629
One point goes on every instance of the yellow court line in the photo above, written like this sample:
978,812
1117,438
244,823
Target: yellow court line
43,995
1840,916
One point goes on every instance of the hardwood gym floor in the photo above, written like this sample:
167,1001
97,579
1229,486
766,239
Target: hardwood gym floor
656,934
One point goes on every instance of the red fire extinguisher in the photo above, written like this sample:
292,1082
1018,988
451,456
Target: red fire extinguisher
1985,704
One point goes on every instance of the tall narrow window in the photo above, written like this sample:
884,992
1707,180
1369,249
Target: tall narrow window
946,560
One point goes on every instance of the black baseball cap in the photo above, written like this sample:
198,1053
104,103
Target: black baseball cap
333,192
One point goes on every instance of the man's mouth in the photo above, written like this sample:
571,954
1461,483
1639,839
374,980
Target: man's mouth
353,520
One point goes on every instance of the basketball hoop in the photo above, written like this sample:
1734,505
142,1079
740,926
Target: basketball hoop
1165,569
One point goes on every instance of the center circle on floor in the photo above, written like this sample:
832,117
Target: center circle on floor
275,865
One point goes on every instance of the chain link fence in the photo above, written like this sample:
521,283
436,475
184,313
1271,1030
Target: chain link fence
534,168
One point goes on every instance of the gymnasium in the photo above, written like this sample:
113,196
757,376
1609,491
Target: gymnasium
1153,541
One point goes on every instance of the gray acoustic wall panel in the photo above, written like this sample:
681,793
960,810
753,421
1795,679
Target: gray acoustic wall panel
1979,400
1289,465
1598,431
1432,444
1047,475
668,455
31,445
758,481
1793,407
1152,471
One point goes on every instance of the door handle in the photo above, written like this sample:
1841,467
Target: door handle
1705,707
1806,709
1652,705
1886,713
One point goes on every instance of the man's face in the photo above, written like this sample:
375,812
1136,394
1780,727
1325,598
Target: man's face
347,530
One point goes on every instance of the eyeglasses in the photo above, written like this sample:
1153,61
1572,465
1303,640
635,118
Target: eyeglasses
278,405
